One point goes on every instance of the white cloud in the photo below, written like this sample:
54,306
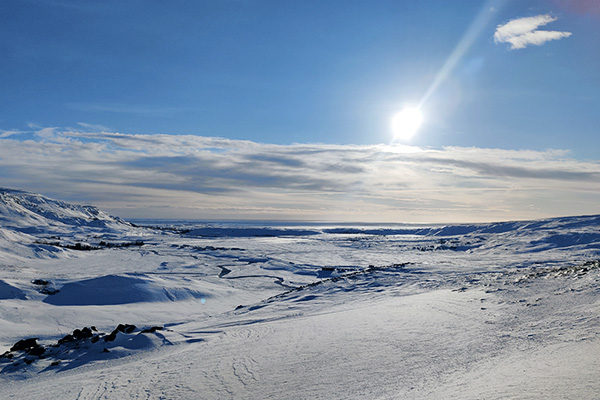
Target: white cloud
186,176
521,32
5,134
94,127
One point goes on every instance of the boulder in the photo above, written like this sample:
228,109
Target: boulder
25,344
153,329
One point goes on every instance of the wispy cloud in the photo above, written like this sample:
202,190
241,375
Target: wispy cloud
189,176
522,32
94,127
5,134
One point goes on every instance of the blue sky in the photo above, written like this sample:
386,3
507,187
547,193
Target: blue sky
509,84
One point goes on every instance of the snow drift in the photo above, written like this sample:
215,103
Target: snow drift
10,292
120,289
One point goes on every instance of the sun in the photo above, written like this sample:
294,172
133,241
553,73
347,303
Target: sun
406,123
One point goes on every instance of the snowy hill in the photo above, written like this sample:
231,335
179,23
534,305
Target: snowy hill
34,213
35,226
503,310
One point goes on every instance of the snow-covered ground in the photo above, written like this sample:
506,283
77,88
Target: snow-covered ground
248,311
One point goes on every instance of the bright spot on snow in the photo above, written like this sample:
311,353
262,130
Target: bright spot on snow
406,123
203,300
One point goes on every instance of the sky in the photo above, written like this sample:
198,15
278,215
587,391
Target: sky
271,109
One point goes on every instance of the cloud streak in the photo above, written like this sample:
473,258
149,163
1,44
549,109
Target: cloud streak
522,32
186,176
5,134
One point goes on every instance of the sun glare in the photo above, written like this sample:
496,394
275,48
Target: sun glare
406,123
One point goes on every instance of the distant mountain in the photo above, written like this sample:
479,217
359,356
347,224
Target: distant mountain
550,224
33,213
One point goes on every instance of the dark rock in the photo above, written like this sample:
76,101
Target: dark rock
40,282
153,329
55,363
36,351
7,354
111,337
95,338
87,332
66,339
81,334
49,291
106,350
25,344
125,328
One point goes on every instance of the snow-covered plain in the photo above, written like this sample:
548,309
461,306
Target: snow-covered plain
303,311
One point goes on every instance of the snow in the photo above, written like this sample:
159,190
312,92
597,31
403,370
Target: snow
10,292
119,289
503,310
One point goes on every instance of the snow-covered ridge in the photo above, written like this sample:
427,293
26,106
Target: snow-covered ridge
31,225
575,222
30,212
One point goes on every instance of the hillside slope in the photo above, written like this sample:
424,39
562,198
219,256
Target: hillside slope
33,213
31,226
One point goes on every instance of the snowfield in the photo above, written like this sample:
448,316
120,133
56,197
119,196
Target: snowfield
94,307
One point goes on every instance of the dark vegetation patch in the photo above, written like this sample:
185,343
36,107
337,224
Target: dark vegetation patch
565,271
346,276
209,248
109,245
44,287
88,247
173,229
445,244
519,277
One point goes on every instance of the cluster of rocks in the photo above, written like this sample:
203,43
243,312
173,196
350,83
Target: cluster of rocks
28,346
32,350
79,335
44,286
